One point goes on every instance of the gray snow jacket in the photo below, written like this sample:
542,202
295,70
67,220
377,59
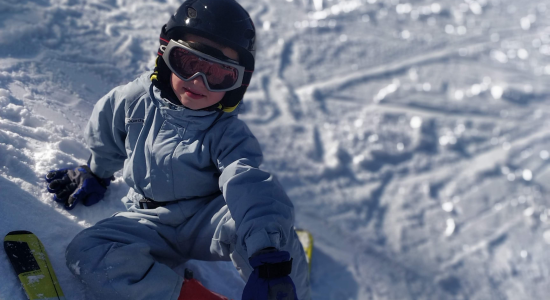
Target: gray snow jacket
169,152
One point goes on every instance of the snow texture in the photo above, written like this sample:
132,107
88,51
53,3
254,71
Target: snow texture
35,279
413,137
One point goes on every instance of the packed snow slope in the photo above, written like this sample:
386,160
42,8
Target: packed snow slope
413,137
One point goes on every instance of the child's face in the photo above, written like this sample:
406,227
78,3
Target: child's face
194,94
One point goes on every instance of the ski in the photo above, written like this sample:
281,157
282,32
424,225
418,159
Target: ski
306,239
32,265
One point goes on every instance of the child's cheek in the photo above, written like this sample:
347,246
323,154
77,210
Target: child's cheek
176,83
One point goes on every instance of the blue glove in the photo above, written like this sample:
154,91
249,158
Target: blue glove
71,186
270,280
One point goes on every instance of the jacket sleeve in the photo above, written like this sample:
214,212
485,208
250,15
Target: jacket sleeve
105,134
261,209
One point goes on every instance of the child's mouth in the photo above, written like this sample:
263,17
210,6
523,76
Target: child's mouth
192,94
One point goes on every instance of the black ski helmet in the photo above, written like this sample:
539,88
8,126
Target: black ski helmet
223,21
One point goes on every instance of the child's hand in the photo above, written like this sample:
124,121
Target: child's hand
270,280
71,186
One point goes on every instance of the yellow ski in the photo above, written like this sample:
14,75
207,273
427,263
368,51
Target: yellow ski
306,239
32,265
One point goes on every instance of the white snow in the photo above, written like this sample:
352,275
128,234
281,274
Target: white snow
75,267
34,279
412,136
451,226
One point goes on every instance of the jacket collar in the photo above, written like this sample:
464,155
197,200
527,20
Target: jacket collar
181,115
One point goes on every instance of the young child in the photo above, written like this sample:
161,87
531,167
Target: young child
196,190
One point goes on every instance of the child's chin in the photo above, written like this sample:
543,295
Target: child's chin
192,104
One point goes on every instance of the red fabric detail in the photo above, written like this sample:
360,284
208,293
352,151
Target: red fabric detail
192,289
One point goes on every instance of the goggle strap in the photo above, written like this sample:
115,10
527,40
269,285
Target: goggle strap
247,76
163,44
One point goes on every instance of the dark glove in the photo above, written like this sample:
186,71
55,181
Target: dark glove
71,186
270,280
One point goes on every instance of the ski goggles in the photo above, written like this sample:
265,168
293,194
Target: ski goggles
187,63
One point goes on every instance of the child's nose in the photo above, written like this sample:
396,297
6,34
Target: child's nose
199,81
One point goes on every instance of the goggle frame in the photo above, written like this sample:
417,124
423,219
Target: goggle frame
181,44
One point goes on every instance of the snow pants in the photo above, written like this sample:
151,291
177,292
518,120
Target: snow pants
131,255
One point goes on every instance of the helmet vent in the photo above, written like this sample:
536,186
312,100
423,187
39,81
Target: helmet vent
191,13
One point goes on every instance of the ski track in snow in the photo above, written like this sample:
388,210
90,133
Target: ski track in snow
412,137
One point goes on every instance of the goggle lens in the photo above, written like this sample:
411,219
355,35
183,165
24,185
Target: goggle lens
186,64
